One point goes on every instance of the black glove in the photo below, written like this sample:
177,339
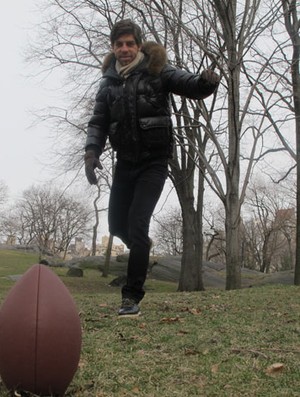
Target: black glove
91,161
209,81
210,77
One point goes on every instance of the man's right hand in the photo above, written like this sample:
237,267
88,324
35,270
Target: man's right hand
91,162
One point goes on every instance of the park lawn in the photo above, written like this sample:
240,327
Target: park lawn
15,262
212,343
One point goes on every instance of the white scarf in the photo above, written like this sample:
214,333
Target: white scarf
125,70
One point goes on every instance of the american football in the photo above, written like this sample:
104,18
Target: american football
40,334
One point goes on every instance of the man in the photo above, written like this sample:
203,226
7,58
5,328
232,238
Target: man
132,109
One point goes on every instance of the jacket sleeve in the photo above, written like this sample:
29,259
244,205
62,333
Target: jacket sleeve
181,82
99,122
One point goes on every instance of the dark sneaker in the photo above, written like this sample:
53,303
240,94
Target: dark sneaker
129,308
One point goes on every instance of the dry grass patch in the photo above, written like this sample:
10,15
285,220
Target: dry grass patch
214,343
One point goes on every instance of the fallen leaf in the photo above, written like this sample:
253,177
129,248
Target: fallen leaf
195,311
275,369
192,310
215,369
190,352
123,338
170,319
182,332
135,390
82,363
104,315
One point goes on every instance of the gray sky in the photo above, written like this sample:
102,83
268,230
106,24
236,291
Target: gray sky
22,146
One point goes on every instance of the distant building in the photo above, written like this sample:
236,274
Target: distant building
79,244
78,248
11,240
117,249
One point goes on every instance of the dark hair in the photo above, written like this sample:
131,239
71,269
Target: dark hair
126,26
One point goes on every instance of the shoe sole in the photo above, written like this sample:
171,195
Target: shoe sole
129,315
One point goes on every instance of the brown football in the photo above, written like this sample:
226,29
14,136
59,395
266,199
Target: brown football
40,334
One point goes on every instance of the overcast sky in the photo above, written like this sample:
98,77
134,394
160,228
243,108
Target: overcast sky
22,146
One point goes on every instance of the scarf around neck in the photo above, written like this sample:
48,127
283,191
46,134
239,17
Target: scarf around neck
125,70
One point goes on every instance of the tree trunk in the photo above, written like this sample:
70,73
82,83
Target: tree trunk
232,201
292,21
297,261
233,262
108,256
228,18
191,263
95,227
192,257
294,33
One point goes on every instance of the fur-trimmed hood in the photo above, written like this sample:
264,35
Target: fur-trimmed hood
156,57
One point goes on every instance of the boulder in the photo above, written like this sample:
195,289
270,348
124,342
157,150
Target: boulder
75,272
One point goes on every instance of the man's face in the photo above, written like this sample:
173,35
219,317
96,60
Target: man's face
125,49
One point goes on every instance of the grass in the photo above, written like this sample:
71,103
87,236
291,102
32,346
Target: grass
212,343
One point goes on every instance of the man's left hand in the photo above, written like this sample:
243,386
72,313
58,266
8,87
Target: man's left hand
210,77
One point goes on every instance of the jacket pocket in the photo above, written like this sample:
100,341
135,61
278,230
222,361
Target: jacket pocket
155,132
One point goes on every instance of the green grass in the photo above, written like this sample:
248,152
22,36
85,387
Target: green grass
204,344
14,262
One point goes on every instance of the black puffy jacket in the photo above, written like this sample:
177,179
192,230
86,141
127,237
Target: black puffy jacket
135,112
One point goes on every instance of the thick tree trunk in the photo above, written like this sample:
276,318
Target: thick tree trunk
232,202
233,260
227,14
191,263
291,18
183,177
296,95
192,257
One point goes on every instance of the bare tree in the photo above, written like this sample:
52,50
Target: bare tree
50,219
214,232
11,226
269,232
281,99
292,24
235,28
168,232
3,193
3,214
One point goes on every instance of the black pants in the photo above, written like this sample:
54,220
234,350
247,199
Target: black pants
135,191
